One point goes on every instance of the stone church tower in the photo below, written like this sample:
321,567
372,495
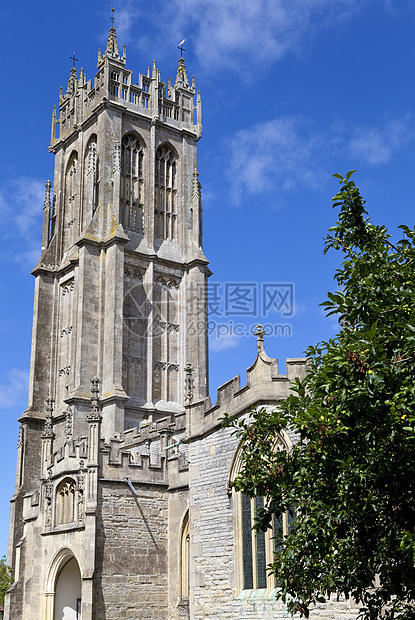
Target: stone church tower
119,342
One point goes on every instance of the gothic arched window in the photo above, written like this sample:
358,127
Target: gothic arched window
132,183
65,502
165,210
71,188
256,550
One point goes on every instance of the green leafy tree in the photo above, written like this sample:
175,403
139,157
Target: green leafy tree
351,474
6,578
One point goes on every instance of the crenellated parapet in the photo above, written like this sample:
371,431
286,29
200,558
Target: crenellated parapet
151,454
113,83
264,386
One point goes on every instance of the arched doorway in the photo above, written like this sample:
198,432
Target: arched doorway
63,589
68,592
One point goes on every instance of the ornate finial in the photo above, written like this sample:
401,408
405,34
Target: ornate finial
180,47
74,59
48,185
260,333
181,77
112,50
95,413
189,383
112,15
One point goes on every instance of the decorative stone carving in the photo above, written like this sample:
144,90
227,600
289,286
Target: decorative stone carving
189,383
21,437
158,365
81,489
48,490
92,153
46,204
172,283
132,272
167,282
67,287
95,411
68,423
196,189
48,427
117,158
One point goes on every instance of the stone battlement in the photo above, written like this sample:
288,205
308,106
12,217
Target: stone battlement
264,385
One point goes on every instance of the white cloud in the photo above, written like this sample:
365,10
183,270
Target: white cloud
223,343
277,156
14,391
21,204
377,145
237,34
398,6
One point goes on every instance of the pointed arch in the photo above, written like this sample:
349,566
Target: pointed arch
255,551
165,196
132,182
65,505
63,587
282,442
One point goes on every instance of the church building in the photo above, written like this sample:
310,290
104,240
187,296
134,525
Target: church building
122,506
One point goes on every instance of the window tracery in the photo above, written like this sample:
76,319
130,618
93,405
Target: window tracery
132,183
165,194
65,502
256,550
259,548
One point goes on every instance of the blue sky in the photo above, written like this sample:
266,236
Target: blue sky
292,92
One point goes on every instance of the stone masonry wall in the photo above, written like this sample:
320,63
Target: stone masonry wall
131,578
214,591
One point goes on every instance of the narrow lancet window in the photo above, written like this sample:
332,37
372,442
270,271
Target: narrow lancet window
165,194
132,184
65,502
